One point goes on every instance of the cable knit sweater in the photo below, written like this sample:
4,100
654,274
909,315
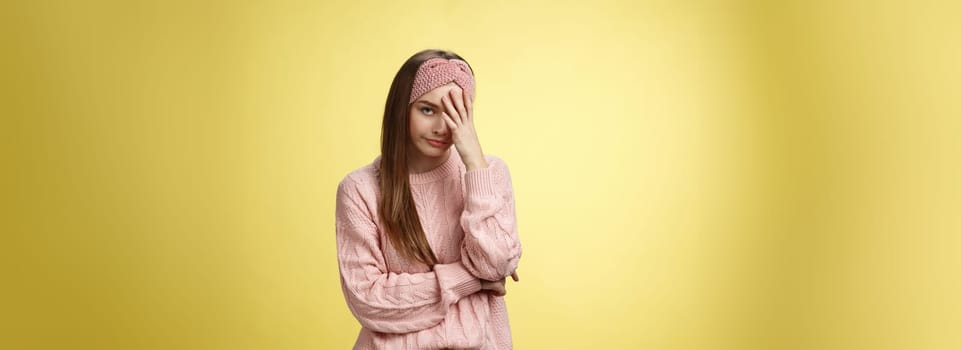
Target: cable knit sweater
469,220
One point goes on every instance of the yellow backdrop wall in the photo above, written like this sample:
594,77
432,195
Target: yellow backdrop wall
688,174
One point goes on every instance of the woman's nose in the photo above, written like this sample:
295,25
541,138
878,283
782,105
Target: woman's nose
440,127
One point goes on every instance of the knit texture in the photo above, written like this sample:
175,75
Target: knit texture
469,220
439,71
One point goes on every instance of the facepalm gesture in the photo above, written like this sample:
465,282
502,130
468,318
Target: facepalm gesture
459,116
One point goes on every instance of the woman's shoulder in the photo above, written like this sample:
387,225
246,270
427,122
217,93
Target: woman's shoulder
497,172
496,164
362,177
491,159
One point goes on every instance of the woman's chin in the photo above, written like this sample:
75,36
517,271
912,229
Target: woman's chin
439,153
432,151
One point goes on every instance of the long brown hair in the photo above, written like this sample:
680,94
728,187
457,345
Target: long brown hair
397,209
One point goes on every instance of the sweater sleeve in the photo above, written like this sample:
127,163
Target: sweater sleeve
385,301
491,248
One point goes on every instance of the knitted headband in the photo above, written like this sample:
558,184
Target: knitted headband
439,71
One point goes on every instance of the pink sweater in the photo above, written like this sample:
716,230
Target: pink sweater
469,220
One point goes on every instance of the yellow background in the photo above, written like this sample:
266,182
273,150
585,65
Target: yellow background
688,175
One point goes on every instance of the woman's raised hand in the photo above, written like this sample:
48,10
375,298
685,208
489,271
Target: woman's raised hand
459,116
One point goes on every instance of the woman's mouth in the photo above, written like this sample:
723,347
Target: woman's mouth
437,144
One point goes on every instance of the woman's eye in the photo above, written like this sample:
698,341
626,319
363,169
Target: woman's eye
422,109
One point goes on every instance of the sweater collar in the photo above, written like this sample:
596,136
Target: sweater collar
441,171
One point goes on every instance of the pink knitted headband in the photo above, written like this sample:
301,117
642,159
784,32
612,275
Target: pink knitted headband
439,71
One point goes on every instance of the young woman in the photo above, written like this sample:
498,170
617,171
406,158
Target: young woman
426,233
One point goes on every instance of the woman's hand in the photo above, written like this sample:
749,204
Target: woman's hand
459,116
497,287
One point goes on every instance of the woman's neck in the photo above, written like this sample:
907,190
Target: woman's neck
420,163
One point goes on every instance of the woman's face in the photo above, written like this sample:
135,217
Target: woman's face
427,124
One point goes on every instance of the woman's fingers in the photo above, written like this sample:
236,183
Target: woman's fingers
469,106
457,95
499,288
449,121
451,110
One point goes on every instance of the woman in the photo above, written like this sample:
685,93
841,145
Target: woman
426,233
